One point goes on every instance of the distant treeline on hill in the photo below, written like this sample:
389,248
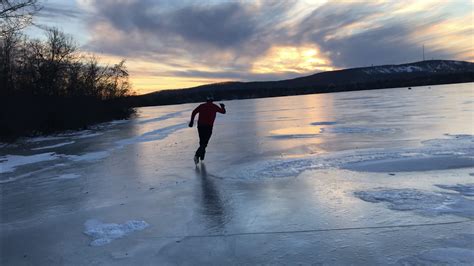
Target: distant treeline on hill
48,86
422,73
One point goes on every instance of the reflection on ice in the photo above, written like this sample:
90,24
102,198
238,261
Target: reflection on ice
426,157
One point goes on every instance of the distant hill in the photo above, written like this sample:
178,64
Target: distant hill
429,72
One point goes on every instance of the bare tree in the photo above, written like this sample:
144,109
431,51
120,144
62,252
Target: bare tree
16,14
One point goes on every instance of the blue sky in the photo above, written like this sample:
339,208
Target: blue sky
176,44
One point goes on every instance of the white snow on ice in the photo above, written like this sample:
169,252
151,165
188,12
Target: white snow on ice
53,146
103,233
9,163
422,202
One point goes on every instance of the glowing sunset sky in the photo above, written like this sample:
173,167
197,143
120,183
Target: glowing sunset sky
178,44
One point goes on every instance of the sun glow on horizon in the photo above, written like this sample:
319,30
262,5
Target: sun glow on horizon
303,59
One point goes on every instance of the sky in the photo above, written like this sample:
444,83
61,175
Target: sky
178,44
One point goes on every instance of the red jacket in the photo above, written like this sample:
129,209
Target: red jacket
207,113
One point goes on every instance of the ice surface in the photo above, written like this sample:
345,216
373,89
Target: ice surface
68,176
9,163
256,199
324,123
358,130
466,189
163,117
441,256
88,135
103,233
458,250
88,157
45,138
423,202
53,146
157,134
409,159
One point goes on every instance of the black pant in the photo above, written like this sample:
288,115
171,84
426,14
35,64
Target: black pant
205,133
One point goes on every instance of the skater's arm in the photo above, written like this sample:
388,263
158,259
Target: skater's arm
221,109
195,111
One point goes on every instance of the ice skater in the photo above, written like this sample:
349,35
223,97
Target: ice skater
207,114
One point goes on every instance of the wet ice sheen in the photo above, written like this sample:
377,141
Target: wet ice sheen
457,250
457,152
103,233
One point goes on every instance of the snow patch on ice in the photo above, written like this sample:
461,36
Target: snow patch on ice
103,233
9,163
466,190
53,146
422,202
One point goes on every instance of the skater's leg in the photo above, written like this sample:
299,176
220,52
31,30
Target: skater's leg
205,133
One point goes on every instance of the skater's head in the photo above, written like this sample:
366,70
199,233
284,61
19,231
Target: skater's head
209,99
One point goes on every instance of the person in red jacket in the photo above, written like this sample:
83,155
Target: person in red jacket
207,114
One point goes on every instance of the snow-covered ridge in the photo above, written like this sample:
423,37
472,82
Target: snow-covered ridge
426,66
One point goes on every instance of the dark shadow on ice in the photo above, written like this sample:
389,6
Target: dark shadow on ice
212,208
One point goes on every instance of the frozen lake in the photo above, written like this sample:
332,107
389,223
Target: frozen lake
368,177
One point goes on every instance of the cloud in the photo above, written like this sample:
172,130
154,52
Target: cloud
359,34
59,11
255,40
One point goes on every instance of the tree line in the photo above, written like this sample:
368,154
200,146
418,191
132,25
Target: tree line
48,84
54,67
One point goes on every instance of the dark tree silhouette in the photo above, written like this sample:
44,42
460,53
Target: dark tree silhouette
49,85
